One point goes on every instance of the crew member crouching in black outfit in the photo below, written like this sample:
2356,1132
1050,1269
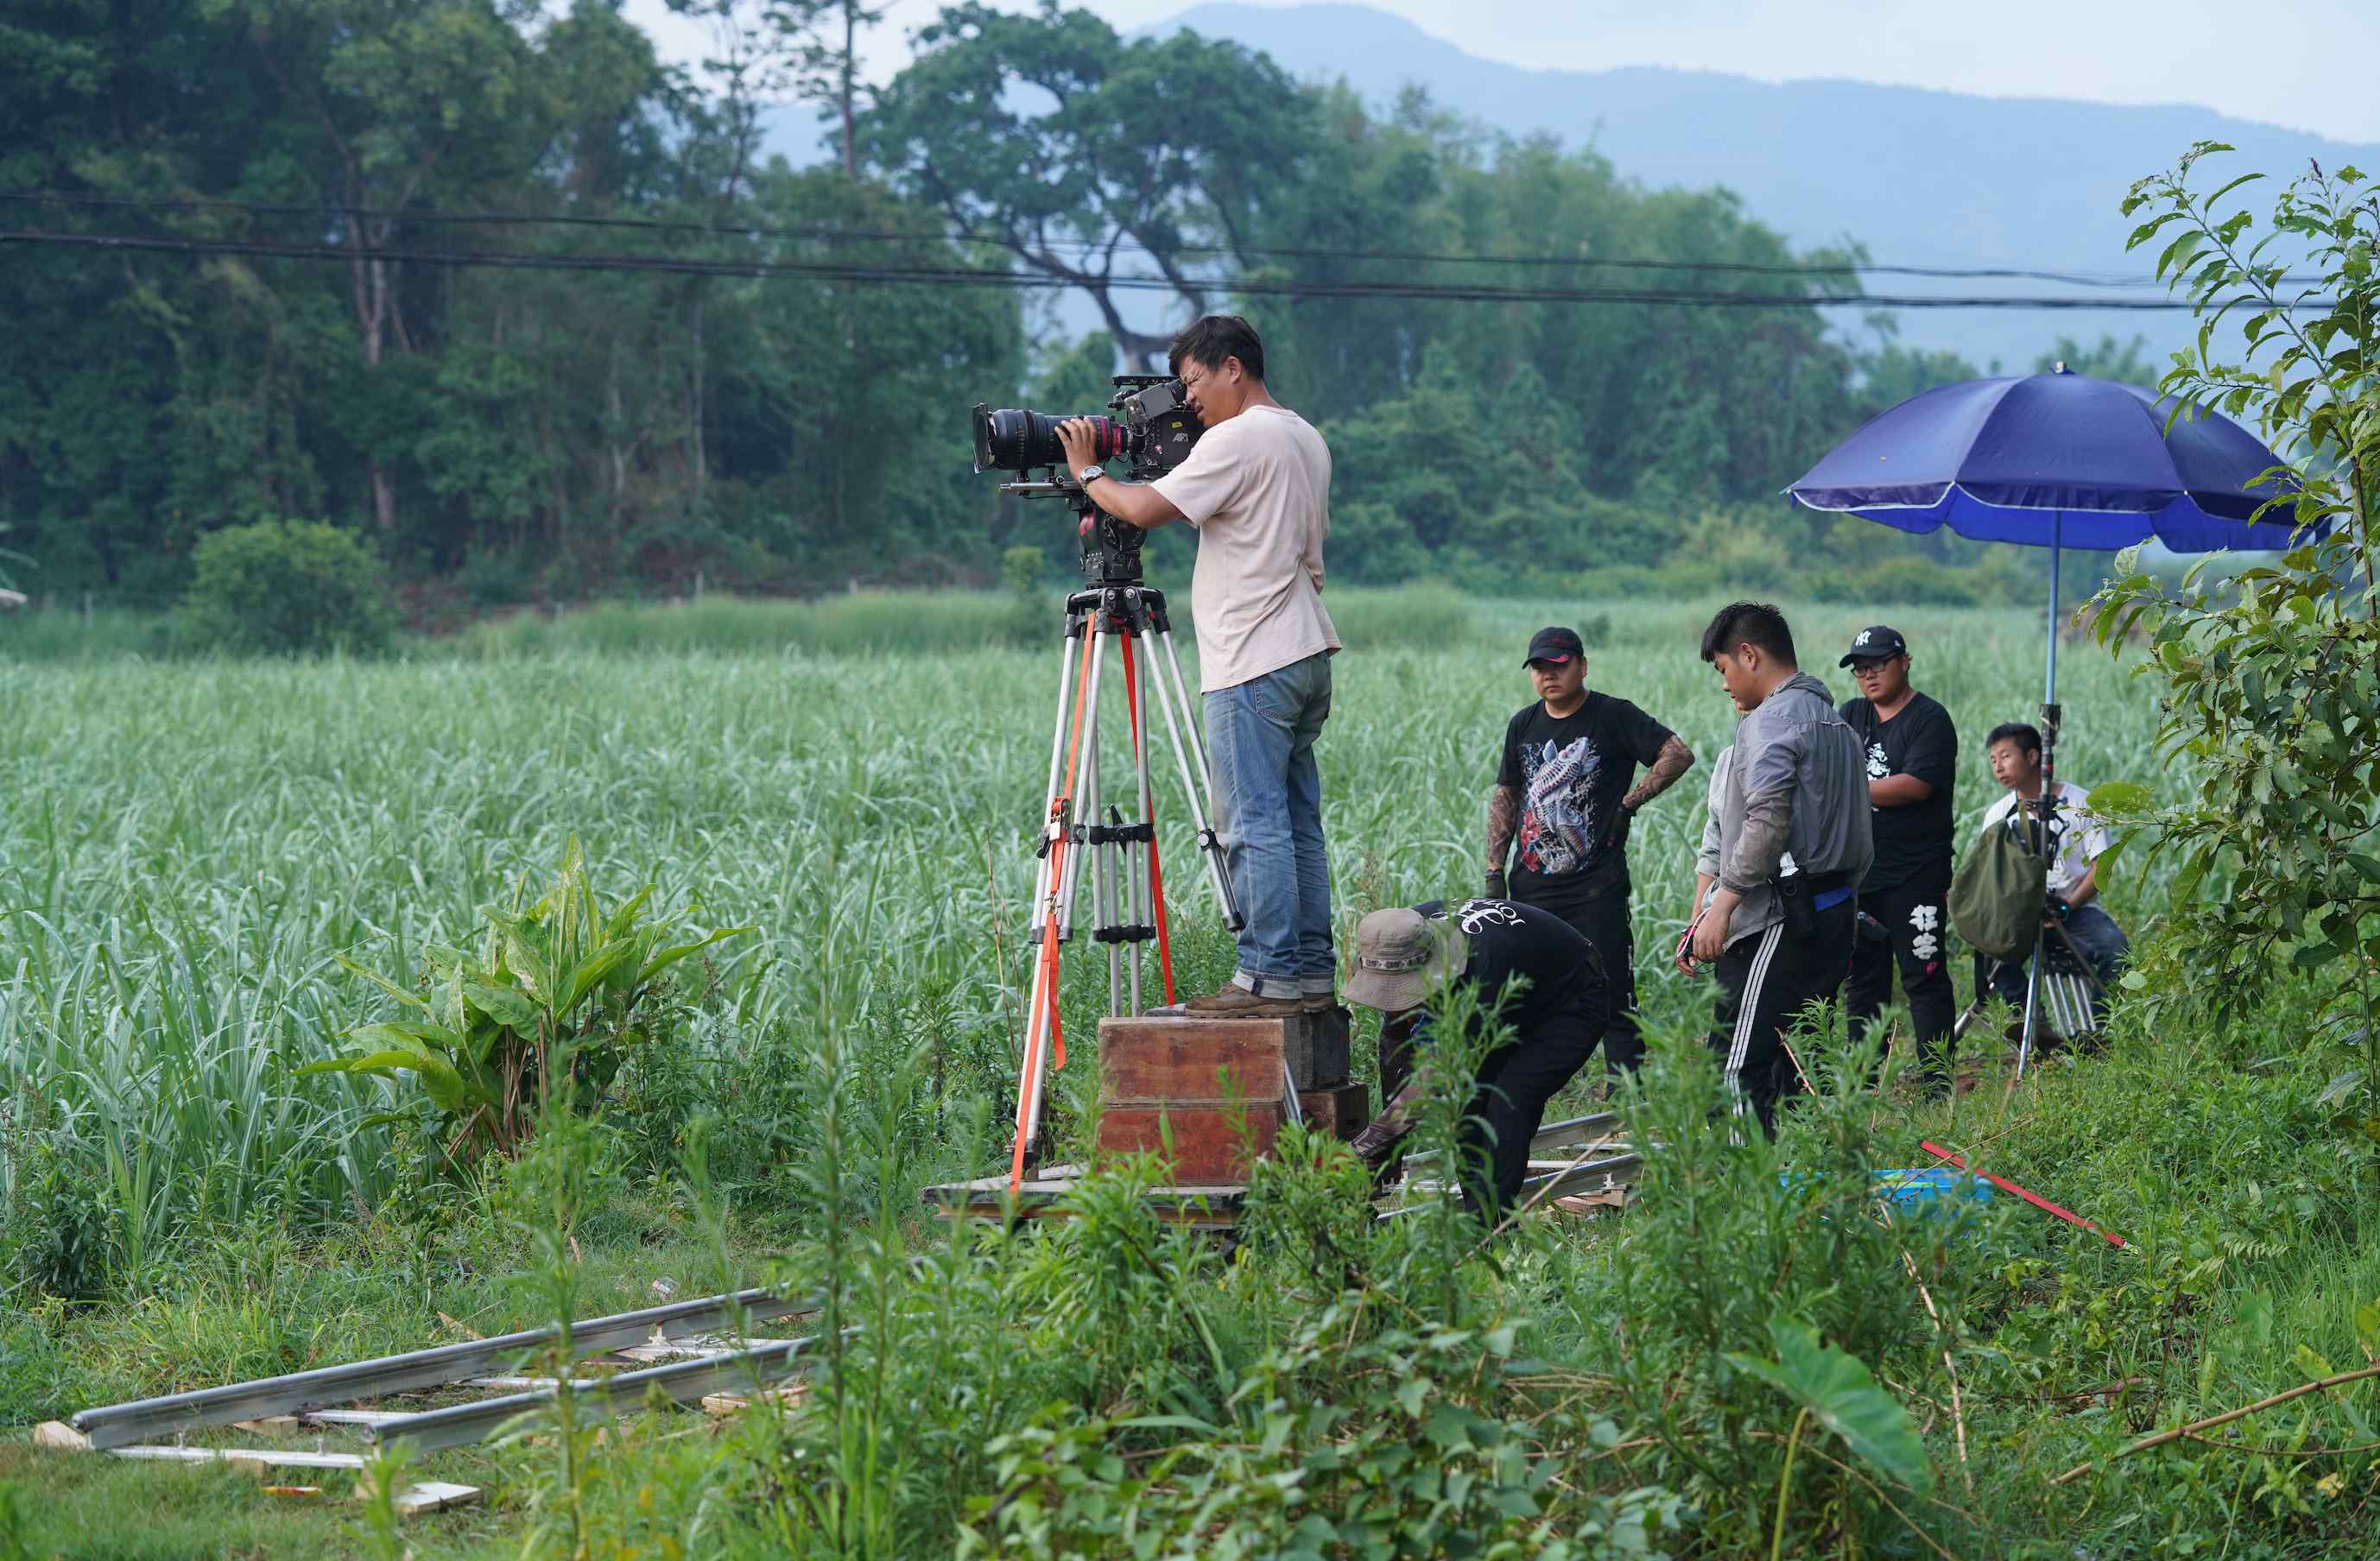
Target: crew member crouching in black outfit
1556,1010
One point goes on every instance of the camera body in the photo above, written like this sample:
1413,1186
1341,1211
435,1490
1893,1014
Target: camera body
1148,421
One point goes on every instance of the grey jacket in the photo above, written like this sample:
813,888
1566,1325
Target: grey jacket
1798,787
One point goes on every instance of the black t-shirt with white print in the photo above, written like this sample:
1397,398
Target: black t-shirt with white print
1920,740
1506,939
1571,771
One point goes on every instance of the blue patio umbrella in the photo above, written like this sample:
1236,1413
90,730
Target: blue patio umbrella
2057,460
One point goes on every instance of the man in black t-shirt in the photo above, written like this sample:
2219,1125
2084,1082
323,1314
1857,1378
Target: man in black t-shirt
1913,759
1567,788
1555,1006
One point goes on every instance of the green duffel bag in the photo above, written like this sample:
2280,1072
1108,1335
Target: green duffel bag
2000,892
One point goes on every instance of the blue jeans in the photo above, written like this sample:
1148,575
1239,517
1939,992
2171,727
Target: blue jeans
1268,811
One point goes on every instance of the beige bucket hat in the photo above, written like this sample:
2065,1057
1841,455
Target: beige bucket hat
1402,957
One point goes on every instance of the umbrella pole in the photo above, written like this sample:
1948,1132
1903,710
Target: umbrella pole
2049,804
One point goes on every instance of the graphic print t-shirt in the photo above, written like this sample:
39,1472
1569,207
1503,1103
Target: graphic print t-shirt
1920,740
1507,940
1572,772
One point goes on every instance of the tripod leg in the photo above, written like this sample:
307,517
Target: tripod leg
1136,863
1041,884
2032,1003
1169,688
1087,747
1042,1035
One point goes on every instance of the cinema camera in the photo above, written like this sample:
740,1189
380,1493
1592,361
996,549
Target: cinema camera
1148,423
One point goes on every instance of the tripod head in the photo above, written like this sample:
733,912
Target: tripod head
1111,546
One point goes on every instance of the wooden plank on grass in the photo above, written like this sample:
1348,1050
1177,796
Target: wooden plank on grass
723,1404
434,1495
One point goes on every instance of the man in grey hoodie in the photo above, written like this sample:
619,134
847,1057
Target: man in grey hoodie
1794,839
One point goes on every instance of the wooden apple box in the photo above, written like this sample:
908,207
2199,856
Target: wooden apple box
1208,1093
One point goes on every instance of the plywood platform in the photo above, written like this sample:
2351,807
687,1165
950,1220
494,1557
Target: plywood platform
1214,1206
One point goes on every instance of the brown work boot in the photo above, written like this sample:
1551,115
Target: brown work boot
1317,1002
1237,1002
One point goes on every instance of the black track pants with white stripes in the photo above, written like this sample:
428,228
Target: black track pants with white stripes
1764,981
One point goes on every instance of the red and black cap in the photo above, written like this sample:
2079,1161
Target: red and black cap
1557,645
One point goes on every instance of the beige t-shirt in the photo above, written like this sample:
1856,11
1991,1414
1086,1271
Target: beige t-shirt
1258,487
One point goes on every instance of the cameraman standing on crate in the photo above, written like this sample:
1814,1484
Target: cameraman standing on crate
1258,487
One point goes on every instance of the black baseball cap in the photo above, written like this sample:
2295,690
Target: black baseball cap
1553,644
1877,643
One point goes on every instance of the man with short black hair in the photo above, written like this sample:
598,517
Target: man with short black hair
2082,839
1795,842
1564,789
1912,751
1258,487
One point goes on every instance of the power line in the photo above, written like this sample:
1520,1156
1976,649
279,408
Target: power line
954,276
1844,269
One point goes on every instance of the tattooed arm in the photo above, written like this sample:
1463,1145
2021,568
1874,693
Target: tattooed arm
1674,759
1503,818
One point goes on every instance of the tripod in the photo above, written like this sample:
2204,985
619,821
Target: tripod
1083,831
2046,836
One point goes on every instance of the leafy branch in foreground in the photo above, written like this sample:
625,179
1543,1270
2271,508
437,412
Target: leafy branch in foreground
562,992
2272,682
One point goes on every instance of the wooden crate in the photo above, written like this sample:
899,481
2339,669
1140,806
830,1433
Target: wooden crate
1205,1091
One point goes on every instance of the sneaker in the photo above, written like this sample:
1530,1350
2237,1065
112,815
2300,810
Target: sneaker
1238,1002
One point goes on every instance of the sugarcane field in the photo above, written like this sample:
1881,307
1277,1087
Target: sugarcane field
1123,782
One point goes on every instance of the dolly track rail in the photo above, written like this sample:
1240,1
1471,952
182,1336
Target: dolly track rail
118,1425
681,1382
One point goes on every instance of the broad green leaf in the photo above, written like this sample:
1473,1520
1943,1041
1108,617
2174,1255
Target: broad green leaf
1843,1397
589,970
408,1036
506,1005
670,956
2119,796
2340,1086
2315,1365
625,916
529,965
411,1000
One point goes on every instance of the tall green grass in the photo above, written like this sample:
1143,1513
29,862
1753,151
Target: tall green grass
187,845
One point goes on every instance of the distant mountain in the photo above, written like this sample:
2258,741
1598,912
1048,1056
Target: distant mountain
1921,178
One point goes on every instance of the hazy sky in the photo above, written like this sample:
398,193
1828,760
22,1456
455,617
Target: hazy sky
2310,65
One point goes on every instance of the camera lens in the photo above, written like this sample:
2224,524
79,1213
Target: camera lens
1013,440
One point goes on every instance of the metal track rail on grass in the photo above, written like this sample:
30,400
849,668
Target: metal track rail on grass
118,1425
1593,1176
682,1381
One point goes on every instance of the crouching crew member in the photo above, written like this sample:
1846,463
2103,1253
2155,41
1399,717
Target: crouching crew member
1555,1002
2082,838
1567,787
1912,758
1795,842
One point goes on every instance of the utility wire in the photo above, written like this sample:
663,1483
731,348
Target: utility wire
954,276
1839,269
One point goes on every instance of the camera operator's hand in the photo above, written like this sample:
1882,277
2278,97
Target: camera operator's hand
1079,437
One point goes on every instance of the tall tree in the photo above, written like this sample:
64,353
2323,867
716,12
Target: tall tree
397,93
1073,150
